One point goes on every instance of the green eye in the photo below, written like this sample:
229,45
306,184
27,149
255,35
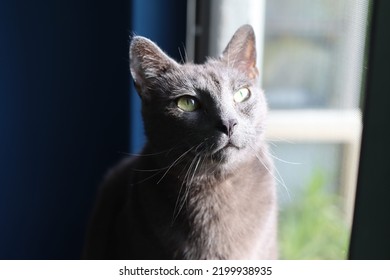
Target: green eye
241,95
187,103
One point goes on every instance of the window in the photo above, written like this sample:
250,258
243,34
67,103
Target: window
311,59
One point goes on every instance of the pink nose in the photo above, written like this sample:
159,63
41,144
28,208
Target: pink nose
227,126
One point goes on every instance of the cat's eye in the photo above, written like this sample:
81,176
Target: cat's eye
187,103
241,95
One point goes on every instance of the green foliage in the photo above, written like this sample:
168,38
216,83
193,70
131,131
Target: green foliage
313,227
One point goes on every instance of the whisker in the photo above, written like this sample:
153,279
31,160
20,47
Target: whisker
181,56
147,155
143,180
282,160
196,167
269,153
185,53
180,198
187,190
187,182
280,181
282,139
215,167
273,144
148,170
177,160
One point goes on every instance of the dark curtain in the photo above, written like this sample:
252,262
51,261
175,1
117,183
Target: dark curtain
63,119
371,224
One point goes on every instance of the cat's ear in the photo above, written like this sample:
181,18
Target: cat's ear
240,52
147,61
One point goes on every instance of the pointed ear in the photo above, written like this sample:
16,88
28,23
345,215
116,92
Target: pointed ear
240,53
147,61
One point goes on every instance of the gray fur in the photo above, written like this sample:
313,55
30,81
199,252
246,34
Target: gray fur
195,191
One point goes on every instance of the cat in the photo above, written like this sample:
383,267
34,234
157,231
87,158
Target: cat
202,187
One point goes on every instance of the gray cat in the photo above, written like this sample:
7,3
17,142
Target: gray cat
202,188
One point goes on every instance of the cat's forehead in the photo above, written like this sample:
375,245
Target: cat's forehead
213,76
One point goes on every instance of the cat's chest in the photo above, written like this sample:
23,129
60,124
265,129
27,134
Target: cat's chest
211,204
209,219
220,222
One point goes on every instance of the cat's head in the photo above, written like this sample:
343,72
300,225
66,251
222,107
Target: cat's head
213,110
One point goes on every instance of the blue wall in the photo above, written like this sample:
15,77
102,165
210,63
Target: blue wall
164,22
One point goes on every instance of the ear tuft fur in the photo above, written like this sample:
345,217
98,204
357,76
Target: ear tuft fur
147,61
240,52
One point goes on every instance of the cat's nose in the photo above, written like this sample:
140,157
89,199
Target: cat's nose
227,126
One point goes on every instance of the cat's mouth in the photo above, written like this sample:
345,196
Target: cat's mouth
225,152
228,146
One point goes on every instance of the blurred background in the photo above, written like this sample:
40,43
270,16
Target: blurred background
68,111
